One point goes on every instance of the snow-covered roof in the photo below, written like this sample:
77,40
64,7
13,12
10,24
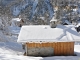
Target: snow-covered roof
43,18
16,19
43,33
75,10
53,19
66,21
78,24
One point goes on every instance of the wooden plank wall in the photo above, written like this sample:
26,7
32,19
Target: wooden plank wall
60,48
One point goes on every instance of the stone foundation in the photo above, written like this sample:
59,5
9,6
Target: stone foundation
40,51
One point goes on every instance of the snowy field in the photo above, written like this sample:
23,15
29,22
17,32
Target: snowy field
11,50
15,57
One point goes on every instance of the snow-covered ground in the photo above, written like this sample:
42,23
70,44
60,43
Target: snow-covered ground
11,50
16,57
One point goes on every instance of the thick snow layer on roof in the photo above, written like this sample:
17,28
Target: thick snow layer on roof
16,19
43,33
75,10
53,19
78,24
66,21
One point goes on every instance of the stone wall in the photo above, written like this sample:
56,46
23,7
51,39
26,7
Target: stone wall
40,51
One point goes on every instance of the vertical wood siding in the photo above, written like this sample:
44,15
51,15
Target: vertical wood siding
60,48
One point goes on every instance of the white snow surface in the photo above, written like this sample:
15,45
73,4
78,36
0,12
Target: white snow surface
16,57
66,21
11,50
45,33
14,30
16,19
75,10
3,37
53,19
78,24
